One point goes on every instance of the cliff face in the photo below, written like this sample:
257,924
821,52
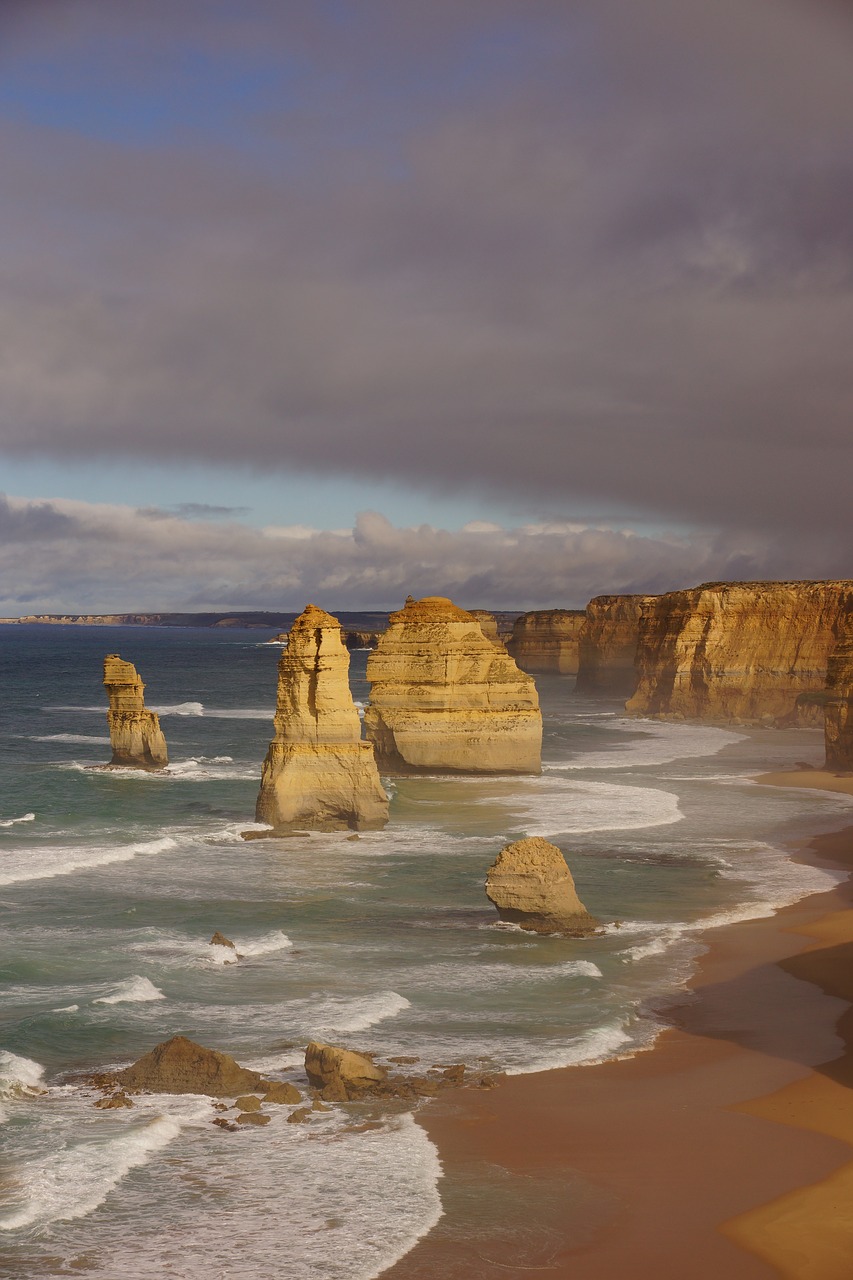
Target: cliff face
444,697
608,645
739,652
135,734
838,708
318,774
548,640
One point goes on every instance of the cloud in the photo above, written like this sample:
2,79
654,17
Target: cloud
557,252
77,557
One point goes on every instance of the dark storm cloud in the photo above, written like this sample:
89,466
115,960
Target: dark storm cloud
556,251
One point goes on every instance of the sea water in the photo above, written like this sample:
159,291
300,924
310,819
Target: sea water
111,884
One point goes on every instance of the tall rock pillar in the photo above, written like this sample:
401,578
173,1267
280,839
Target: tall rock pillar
135,734
318,774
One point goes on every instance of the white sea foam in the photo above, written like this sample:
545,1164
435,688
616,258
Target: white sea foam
136,990
596,1045
660,743
193,769
170,948
548,806
74,1180
47,861
187,709
342,1015
19,1076
461,977
67,1008
12,822
71,737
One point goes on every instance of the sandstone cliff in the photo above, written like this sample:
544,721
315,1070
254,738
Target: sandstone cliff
548,640
838,708
739,652
444,697
607,649
135,734
531,885
318,774
488,624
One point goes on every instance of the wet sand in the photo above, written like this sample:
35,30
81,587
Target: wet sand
723,1151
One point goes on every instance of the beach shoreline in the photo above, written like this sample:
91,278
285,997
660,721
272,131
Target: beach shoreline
682,1159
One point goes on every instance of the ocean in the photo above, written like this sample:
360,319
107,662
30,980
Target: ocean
111,884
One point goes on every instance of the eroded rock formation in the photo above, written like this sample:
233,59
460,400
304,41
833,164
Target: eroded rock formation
607,648
180,1065
838,707
531,885
135,734
739,652
548,640
444,697
488,624
338,1073
318,774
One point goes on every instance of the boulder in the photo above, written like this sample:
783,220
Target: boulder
181,1066
135,734
340,1074
281,1092
252,1117
531,885
219,940
318,774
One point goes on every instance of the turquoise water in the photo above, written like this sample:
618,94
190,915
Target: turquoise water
111,884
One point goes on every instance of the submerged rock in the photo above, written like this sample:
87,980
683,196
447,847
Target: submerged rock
135,734
318,774
181,1066
444,697
531,885
219,940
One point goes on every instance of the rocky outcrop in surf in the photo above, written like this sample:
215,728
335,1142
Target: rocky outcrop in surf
180,1065
444,697
740,652
607,648
340,1074
548,640
318,774
135,735
531,885
838,707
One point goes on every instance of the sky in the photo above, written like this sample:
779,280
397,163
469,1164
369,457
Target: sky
520,301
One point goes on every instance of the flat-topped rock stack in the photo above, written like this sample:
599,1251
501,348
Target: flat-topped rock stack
445,698
740,652
607,648
548,640
136,738
531,885
838,707
318,773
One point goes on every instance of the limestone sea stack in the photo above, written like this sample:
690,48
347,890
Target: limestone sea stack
838,708
318,774
444,697
548,640
135,734
531,885
607,649
740,652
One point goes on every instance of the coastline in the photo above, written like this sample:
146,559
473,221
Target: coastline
721,1150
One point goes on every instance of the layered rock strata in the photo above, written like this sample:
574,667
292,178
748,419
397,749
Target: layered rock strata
838,707
531,885
135,734
739,652
548,640
445,698
488,624
607,647
318,774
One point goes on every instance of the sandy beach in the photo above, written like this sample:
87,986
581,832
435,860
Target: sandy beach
722,1151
